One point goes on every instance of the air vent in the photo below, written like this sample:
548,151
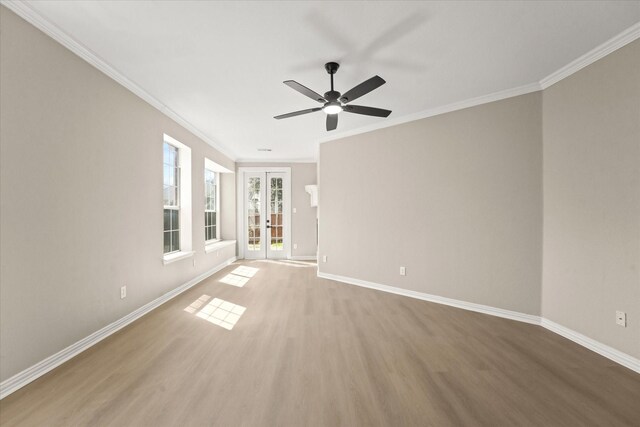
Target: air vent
264,149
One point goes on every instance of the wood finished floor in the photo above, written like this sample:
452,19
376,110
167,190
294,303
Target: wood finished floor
313,352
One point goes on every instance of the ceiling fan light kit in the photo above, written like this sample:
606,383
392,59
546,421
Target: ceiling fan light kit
333,107
334,103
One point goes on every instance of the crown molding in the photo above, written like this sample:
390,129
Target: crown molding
627,36
455,106
26,12
30,15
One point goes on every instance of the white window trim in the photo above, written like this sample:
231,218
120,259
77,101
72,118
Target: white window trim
217,181
218,245
214,245
177,186
176,256
184,162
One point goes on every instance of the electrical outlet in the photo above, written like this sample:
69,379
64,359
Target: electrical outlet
403,271
123,292
621,318
194,262
324,258
294,210
295,246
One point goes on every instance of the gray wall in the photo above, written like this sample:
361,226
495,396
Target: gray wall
303,222
592,200
81,199
456,199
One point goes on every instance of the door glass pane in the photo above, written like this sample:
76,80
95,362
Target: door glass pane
275,232
253,214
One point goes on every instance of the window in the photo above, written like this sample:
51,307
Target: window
171,198
213,235
176,169
213,173
211,199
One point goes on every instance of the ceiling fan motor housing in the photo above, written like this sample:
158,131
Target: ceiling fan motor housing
331,67
332,95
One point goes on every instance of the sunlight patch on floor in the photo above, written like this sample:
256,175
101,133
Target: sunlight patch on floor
245,271
235,280
222,313
195,306
240,276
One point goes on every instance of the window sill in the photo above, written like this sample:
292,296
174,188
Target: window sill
168,259
218,245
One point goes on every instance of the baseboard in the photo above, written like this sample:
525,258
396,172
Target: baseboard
304,257
602,349
34,372
593,345
485,309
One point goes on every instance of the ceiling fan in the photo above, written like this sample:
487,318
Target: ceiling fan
333,102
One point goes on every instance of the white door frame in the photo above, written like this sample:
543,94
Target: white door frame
269,204
262,252
241,220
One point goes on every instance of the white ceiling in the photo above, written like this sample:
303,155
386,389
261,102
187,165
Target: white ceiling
220,65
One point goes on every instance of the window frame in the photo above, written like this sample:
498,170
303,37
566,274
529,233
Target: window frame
183,198
216,210
176,207
212,246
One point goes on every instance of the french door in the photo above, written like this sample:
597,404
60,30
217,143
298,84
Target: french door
266,228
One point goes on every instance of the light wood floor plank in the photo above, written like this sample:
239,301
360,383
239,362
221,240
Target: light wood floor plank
313,352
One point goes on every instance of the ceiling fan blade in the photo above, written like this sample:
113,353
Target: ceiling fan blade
304,90
332,121
297,113
362,89
367,111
